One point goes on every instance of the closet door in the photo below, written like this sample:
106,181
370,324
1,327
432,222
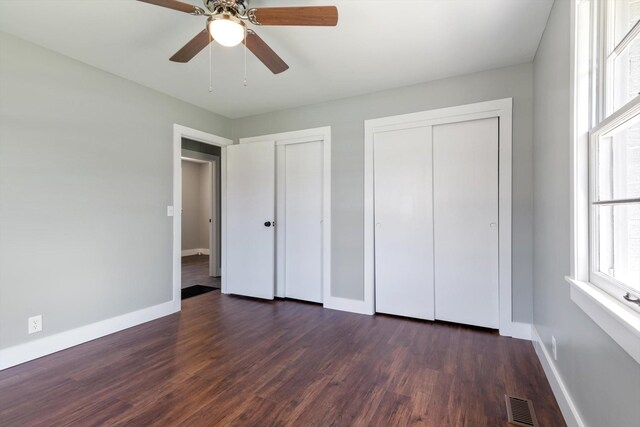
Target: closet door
465,179
302,220
404,222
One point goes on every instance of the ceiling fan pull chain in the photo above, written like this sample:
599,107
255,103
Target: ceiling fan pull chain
210,65
245,59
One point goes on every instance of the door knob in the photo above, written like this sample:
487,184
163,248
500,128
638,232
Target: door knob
493,225
267,224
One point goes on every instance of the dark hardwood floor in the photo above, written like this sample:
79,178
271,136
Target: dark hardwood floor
233,361
195,271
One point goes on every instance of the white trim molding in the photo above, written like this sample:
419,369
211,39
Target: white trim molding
190,252
345,304
298,137
521,330
180,132
502,109
31,350
560,391
618,321
293,137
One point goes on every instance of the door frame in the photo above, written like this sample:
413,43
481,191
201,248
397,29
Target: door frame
502,109
180,132
297,137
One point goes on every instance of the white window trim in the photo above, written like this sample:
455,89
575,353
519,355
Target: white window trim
618,321
616,318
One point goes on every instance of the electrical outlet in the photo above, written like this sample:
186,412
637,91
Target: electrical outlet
35,324
554,348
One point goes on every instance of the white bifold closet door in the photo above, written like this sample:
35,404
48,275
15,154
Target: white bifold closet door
465,195
404,223
250,207
299,199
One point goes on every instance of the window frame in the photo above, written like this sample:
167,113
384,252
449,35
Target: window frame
603,120
603,15
622,116
597,295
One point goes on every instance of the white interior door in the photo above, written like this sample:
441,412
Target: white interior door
301,223
250,206
404,222
465,178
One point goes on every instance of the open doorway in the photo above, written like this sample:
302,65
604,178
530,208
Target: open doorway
200,242
199,272
200,254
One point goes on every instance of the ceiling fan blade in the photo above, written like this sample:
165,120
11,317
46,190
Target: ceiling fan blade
310,15
193,47
264,53
177,5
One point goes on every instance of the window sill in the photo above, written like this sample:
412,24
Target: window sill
618,321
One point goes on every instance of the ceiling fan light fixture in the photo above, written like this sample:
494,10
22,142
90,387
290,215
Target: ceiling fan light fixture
227,30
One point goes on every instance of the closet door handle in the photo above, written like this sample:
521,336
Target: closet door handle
267,224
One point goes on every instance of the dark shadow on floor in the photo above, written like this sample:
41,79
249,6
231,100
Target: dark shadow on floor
193,291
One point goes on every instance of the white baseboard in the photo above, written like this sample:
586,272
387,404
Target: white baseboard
520,330
189,252
21,353
515,329
346,304
560,391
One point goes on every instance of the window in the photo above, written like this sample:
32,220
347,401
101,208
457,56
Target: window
615,212
613,146
605,202
621,40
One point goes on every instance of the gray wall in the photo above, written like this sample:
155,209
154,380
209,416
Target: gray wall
603,379
85,179
346,119
196,205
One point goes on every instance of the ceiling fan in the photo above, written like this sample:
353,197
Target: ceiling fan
226,25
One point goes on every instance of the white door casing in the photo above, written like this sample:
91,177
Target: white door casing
250,213
465,201
180,132
404,222
502,109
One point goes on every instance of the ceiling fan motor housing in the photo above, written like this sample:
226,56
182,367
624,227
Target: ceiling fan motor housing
217,6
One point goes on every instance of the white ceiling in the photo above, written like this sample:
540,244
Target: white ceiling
377,45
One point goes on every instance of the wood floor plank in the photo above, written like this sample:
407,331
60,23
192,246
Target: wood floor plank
228,360
195,271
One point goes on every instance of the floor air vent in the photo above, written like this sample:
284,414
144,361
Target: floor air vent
521,411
